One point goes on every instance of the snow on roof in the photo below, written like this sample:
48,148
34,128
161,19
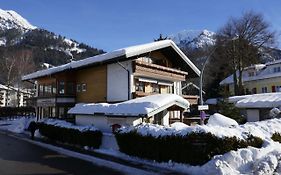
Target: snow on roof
263,71
3,87
144,106
127,52
265,100
212,101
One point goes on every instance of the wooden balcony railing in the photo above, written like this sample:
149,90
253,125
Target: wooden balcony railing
156,71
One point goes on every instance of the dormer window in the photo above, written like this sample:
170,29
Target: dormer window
276,69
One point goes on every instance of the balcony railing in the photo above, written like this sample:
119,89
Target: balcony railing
152,70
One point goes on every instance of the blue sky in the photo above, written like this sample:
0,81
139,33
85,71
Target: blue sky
112,24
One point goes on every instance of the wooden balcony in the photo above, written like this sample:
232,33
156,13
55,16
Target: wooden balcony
156,71
192,99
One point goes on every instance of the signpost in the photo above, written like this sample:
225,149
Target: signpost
203,107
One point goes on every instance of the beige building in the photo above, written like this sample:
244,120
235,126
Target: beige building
260,78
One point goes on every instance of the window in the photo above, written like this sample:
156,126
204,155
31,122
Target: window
47,90
273,89
276,69
84,87
61,112
41,90
264,89
54,88
78,88
278,88
254,90
70,88
155,88
61,87
140,86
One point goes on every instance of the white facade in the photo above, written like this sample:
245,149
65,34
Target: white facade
117,81
104,123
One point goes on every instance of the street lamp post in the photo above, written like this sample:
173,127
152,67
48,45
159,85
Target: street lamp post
201,102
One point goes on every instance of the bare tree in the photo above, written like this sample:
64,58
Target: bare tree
241,40
14,63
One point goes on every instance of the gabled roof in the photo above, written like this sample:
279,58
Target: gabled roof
144,106
127,52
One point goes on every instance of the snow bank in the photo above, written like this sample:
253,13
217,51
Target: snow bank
258,161
17,125
221,120
262,129
64,124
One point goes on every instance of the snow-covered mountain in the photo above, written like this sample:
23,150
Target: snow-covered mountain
10,19
196,39
47,47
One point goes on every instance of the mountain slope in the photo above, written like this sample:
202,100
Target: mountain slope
195,39
25,48
46,46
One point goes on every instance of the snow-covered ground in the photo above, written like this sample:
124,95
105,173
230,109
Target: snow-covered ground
250,160
16,125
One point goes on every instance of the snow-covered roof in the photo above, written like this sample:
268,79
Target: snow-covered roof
125,52
144,106
265,100
263,71
3,87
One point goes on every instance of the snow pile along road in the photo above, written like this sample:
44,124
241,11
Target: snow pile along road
17,125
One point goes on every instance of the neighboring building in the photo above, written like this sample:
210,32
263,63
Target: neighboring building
13,97
257,106
121,75
260,78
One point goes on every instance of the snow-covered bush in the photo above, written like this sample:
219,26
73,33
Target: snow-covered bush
274,112
195,148
221,120
276,137
71,134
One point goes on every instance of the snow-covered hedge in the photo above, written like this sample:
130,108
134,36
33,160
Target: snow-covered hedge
195,148
195,144
276,137
62,131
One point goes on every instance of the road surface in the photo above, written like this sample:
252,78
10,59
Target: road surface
21,157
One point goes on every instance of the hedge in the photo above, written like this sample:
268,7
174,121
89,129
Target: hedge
71,136
194,148
276,137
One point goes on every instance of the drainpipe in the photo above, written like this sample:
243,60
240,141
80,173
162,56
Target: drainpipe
128,73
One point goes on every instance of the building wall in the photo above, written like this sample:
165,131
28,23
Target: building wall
117,81
259,84
95,79
104,123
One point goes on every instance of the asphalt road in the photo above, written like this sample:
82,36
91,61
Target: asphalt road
20,157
